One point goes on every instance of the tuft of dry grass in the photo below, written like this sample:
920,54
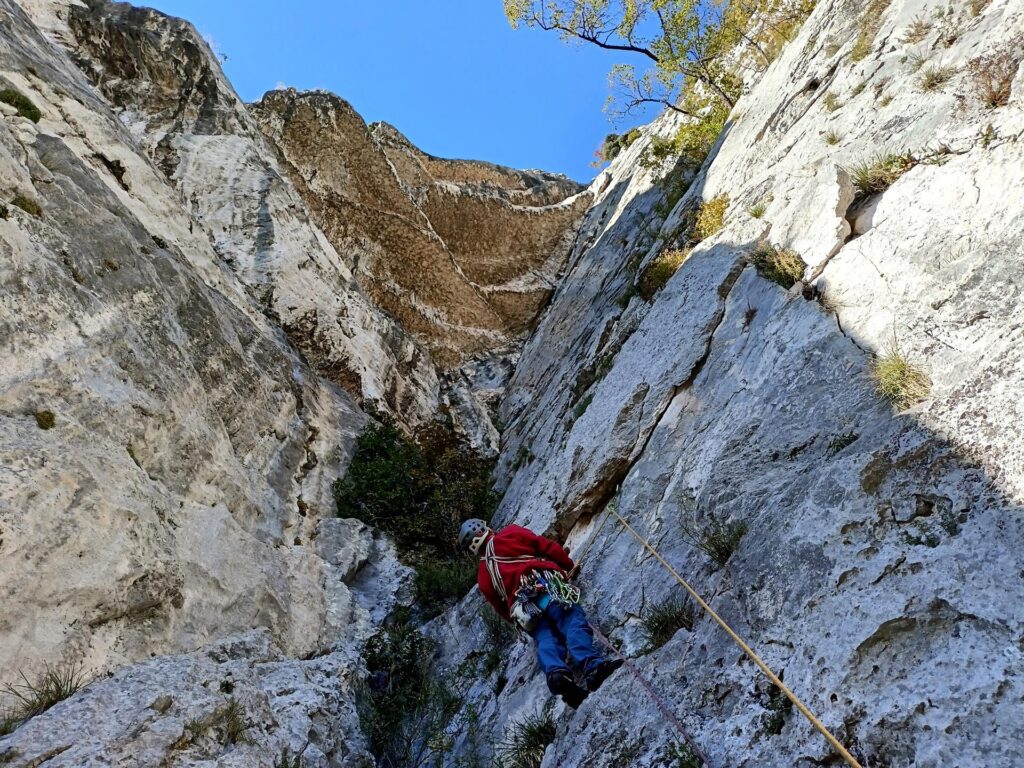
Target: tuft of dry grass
832,138
917,31
715,538
35,696
711,217
526,741
782,266
28,205
661,622
831,102
933,77
977,6
916,60
876,175
869,24
993,76
660,270
898,380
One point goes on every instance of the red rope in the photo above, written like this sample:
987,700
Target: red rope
659,702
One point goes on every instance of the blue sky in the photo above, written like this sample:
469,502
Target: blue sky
450,74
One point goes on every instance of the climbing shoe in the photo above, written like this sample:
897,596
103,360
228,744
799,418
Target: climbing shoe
561,684
600,673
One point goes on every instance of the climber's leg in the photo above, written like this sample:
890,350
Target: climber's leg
580,640
572,623
550,646
551,657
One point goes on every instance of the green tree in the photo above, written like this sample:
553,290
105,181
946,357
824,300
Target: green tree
678,38
419,489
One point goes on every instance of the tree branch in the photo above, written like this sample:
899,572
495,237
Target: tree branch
592,38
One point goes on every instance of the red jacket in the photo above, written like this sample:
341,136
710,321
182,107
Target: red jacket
513,541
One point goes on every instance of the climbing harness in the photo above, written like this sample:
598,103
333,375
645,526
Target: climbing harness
528,606
839,748
560,590
536,590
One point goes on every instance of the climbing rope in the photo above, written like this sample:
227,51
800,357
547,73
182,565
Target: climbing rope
666,710
839,748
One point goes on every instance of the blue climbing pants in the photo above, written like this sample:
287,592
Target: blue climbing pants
563,630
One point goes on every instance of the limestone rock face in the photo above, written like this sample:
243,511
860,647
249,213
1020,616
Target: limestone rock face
874,570
208,292
238,702
464,254
167,455
170,93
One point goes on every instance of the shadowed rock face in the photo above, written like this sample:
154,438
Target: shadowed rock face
463,254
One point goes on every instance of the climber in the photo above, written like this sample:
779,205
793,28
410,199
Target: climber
525,577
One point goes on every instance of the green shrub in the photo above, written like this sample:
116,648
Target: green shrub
33,697
28,205
5,212
839,442
499,637
614,144
779,707
934,77
758,209
658,272
45,419
581,406
710,217
695,138
22,103
783,266
661,622
898,380
876,175
419,491
682,755
627,296
526,741
716,539
403,711
440,583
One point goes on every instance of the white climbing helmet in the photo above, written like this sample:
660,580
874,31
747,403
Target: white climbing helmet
472,534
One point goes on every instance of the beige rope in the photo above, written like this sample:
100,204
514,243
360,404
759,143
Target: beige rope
850,760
